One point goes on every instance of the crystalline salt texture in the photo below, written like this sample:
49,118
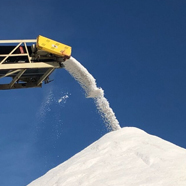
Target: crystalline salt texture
88,83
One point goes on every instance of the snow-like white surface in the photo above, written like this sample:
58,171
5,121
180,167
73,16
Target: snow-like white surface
88,83
126,157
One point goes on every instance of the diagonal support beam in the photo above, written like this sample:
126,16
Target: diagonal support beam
47,73
27,52
9,73
10,53
17,77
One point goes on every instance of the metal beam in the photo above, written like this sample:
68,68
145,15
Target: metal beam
17,77
8,55
13,55
18,86
27,52
30,65
9,73
19,41
47,73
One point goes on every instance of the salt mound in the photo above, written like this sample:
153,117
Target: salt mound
129,157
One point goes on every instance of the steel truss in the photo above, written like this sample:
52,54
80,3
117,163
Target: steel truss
25,74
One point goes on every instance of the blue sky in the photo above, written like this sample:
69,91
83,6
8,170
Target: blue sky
135,50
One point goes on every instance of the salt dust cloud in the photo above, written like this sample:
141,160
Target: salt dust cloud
63,98
49,100
88,83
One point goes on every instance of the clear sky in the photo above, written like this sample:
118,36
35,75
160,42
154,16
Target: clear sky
135,50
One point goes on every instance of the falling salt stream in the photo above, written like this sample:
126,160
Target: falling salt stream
88,83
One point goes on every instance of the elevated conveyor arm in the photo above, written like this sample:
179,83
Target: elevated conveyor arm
30,62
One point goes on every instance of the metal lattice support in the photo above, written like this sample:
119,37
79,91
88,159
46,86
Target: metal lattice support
27,73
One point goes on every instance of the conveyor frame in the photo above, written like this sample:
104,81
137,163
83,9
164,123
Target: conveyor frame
27,73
